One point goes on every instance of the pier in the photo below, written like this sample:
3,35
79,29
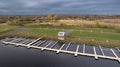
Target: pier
62,48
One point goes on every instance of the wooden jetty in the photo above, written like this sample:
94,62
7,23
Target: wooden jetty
49,45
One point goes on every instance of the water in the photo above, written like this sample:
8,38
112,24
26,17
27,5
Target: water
11,56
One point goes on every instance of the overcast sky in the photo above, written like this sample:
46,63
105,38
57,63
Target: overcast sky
36,7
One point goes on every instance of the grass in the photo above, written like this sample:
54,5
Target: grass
46,32
95,35
72,27
6,28
39,33
82,35
95,39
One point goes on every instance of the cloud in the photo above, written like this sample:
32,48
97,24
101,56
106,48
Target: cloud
3,11
3,4
59,6
30,3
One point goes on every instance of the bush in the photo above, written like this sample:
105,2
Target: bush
118,30
14,22
96,25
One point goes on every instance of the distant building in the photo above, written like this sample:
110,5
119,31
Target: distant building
61,35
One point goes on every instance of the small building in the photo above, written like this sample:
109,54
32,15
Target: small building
61,35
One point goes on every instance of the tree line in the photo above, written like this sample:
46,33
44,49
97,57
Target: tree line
20,20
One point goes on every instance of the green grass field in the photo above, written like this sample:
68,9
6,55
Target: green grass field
104,39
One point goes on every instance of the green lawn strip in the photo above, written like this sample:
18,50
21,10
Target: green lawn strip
6,28
38,33
76,34
46,32
95,35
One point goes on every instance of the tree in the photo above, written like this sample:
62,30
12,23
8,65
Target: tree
52,18
55,18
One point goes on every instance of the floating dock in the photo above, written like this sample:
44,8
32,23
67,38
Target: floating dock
64,48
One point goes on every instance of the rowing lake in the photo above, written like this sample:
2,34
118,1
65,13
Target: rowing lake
12,56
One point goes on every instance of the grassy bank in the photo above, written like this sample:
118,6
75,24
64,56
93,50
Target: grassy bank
6,28
108,37
95,39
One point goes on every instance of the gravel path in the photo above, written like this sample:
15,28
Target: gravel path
16,30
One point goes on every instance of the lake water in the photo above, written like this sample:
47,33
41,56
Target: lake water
12,56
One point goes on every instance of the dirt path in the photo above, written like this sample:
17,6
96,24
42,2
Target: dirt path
16,30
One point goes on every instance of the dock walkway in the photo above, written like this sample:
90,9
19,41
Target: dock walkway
52,44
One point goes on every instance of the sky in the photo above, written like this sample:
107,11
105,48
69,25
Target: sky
37,7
